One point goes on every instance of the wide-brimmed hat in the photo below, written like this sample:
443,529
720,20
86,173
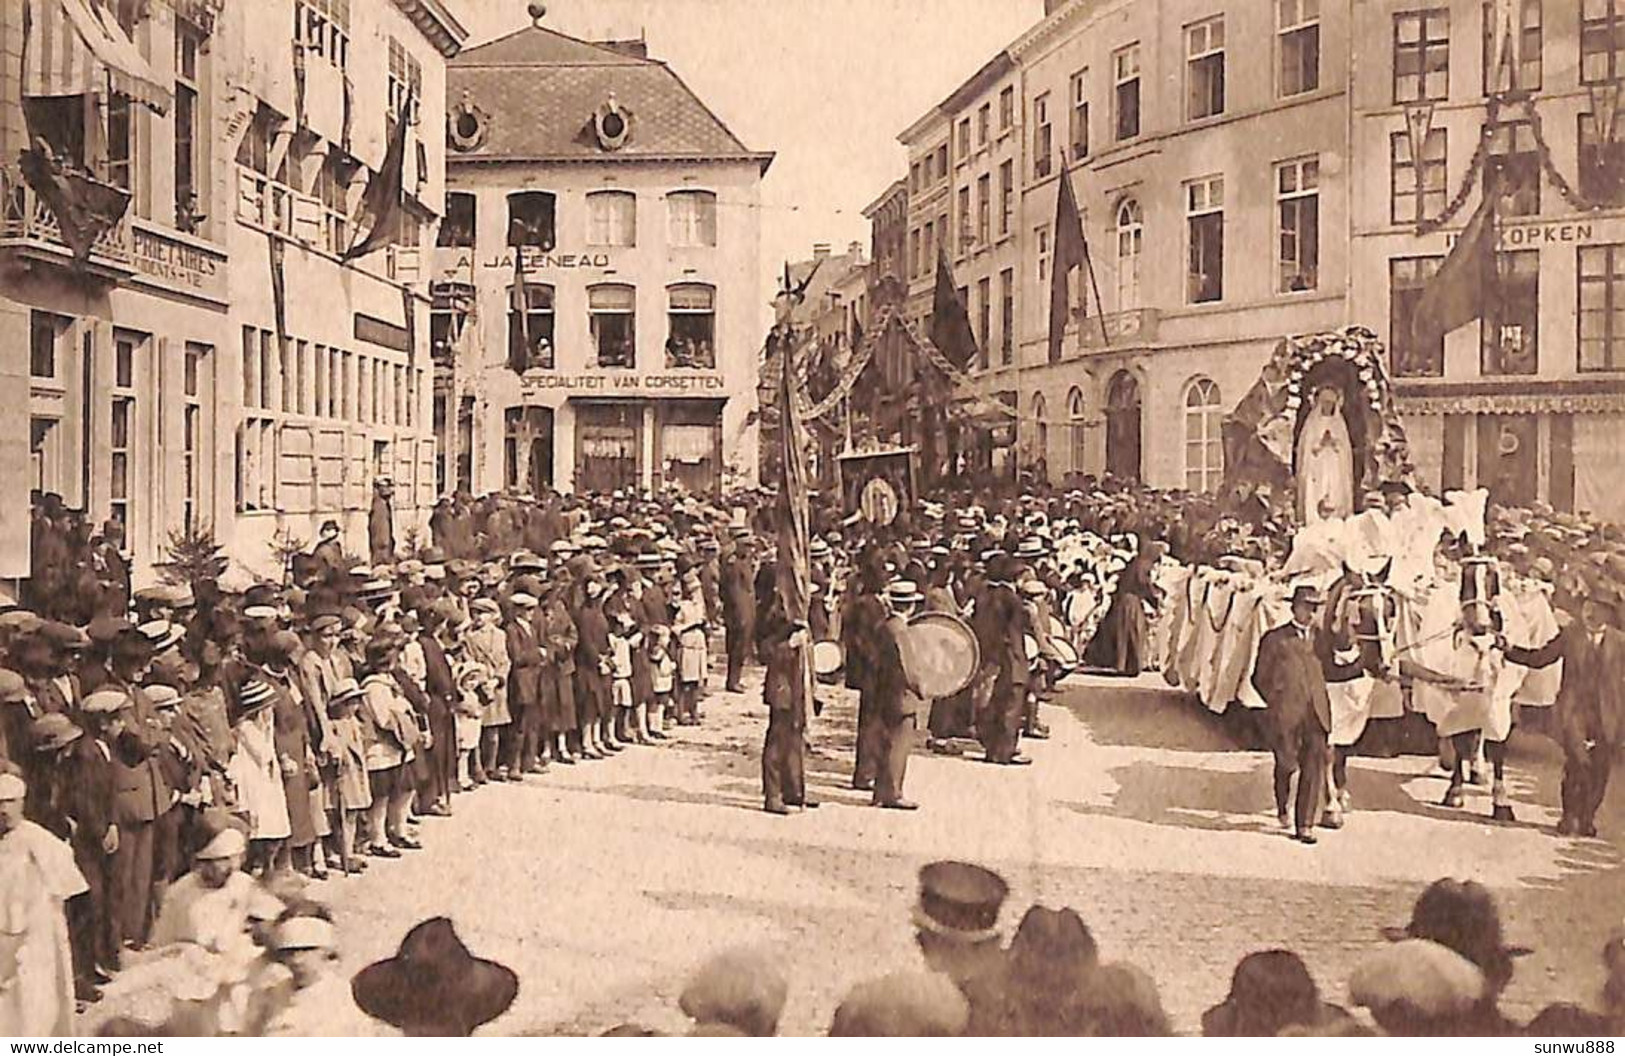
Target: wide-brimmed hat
1462,915
960,900
1270,990
304,933
1050,942
435,983
254,696
161,634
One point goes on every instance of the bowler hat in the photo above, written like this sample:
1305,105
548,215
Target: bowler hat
1462,915
433,982
1307,594
960,900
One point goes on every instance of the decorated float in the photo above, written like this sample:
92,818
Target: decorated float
1318,460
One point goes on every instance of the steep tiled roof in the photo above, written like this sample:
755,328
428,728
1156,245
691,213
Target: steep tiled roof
541,89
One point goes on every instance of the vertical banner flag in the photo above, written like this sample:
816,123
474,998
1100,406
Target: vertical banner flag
382,201
1070,252
794,522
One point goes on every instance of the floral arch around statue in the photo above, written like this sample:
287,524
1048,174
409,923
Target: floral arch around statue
1317,431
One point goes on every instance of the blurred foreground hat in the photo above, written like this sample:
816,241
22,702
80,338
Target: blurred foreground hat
1433,980
1462,915
740,988
960,900
434,984
908,1004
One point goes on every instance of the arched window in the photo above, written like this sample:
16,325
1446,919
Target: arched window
612,218
530,327
531,218
1074,417
1204,444
691,218
1130,241
1040,429
614,322
691,326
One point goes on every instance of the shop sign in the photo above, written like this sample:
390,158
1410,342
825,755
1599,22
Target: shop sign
614,383
458,264
1514,235
176,263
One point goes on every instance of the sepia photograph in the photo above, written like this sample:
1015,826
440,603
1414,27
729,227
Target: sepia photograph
853,518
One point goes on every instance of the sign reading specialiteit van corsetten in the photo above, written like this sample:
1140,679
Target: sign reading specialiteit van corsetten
612,383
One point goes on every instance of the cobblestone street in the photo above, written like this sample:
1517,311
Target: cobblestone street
603,884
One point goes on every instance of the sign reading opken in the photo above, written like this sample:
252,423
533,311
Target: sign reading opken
177,264
619,384
454,265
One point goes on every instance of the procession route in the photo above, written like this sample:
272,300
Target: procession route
603,884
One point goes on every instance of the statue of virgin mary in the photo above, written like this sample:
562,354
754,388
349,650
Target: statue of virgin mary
1325,460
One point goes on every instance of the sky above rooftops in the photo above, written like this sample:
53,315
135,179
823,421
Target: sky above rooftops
825,84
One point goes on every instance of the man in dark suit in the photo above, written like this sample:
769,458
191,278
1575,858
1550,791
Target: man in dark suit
440,687
862,617
738,607
1590,705
1295,662
999,623
524,690
381,523
780,643
79,810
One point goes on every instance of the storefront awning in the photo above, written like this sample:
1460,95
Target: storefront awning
74,48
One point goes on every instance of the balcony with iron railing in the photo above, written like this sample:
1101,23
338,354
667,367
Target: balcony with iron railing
29,225
1137,326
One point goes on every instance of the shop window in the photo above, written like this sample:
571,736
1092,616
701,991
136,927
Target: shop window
1519,68
692,323
1421,55
1298,44
1511,330
1602,165
531,219
457,227
1602,41
1126,92
1602,307
1408,277
530,327
1513,168
1297,192
1413,196
1204,204
1204,69
613,318
612,218
692,217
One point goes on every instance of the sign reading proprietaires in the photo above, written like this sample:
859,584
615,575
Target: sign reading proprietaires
453,265
177,264
618,383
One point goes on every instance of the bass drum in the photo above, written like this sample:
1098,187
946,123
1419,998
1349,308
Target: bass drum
946,656
1066,657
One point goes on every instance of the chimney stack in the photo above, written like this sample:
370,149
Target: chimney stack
854,249
821,250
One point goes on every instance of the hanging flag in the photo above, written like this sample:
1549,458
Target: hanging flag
1466,282
279,287
1070,252
794,521
382,201
950,320
85,208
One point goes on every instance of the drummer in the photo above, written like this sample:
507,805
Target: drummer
899,700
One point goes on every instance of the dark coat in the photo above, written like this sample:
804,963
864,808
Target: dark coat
1291,675
381,531
80,801
140,791
738,593
525,664
438,683
1590,703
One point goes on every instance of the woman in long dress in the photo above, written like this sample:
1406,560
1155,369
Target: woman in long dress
37,876
1121,644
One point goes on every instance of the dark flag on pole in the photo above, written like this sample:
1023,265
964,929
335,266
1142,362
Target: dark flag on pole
794,520
950,320
1071,252
382,201
1465,283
